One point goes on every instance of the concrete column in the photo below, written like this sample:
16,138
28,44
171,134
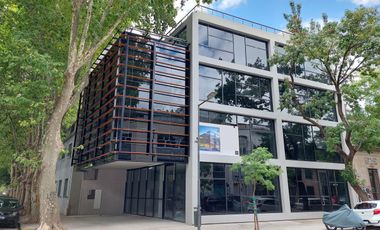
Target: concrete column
191,171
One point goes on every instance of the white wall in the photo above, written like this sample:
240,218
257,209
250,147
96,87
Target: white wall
112,184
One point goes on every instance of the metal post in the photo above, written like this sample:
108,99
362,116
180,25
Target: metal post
198,209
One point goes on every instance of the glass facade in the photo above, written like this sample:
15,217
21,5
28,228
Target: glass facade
136,106
305,94
235,89
316,190
253,132
310,70
223,191
157,191
304,142
230,47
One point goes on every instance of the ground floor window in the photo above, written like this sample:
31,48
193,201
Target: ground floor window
316,190
157,191
223,191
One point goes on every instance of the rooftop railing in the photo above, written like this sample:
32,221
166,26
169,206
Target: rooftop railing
235,19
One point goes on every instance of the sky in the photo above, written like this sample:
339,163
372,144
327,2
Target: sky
270,12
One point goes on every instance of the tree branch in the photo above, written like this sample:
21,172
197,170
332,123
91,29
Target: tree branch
299,107
343,62
79,89
105,13
87,56
353,70
86,27
346,124
74,32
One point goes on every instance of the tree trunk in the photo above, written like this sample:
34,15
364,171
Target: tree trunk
363,196
255,218
34,198
51,147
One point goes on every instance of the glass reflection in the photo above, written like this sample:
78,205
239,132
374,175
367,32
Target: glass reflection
316,190
235,89
223,191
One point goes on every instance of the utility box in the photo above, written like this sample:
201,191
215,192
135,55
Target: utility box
97,199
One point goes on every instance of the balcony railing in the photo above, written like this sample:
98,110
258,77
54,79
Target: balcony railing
235,19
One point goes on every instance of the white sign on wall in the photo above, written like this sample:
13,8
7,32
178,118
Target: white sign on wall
218,139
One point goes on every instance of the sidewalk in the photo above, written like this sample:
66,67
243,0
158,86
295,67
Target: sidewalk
145,223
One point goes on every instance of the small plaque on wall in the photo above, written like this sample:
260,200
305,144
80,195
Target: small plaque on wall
371,161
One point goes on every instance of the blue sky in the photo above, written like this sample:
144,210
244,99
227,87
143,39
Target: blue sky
270,12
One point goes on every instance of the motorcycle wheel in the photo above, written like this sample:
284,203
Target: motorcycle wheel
328,227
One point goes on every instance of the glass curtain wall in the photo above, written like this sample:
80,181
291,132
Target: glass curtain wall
310,70
157,191
253,132
152,103
304,142
235,89
136,106
305,94
223,191
230,47
316,190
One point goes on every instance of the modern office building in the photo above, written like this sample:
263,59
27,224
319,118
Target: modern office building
143,120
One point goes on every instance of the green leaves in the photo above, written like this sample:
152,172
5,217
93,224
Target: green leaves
257,169
347,52
350,175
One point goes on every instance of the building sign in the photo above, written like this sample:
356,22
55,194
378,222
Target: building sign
371,161
209,138
218,139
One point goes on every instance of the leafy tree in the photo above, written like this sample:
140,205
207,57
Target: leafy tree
71,33
256,169
340,51
28,81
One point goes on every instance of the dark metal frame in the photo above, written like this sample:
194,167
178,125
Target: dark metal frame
96,129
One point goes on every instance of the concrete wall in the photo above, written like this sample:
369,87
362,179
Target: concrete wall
362,162
112,184
64,171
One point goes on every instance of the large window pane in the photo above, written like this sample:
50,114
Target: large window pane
217,54
257,58
254,133
209,85
180,192
233,190
220,33
235,89
223,45
304,142
239,50
203,34
230,194
213,196
315,190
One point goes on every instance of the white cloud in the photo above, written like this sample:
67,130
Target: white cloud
366,2
182,11
227,4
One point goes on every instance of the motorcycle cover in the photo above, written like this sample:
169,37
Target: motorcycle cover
343,218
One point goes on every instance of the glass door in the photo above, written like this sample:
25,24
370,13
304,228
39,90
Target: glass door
169,192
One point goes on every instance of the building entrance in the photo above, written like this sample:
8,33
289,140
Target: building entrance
157,191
